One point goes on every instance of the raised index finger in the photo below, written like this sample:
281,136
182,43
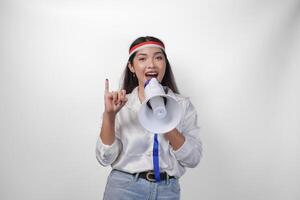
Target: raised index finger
106,86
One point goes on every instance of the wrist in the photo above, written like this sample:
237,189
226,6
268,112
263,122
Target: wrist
109,115
175,138
170,133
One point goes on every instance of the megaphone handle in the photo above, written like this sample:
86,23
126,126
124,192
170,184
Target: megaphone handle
156,158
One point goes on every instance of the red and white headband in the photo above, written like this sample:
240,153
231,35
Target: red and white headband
146,44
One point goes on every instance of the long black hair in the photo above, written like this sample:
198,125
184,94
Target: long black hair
130,81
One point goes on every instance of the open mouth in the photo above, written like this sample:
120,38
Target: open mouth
150,75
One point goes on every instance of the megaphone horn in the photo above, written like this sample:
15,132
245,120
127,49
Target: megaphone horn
159,112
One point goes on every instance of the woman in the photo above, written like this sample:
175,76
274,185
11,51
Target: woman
128,147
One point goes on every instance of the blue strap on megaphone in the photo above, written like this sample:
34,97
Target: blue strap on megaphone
156,159
155,154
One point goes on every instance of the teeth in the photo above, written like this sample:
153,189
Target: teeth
151,74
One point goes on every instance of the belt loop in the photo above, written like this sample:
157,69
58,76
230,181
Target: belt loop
136,176
168,179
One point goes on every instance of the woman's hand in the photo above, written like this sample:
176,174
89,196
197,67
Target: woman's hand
176,139
113,101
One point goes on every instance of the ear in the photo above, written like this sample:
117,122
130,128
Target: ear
131,68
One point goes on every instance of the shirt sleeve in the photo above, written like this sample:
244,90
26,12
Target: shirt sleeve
107,154
190,153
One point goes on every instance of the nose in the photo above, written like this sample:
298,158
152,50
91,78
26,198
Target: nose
150,63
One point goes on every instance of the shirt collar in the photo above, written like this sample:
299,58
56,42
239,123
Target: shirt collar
133,102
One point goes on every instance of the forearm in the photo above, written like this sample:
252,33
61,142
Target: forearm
107,132
175,138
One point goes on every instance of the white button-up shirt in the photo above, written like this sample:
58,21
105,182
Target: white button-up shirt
133,146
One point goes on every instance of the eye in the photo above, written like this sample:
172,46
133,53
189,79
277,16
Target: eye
141,59
159,57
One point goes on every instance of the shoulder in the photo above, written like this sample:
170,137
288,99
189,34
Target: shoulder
184,101
179,97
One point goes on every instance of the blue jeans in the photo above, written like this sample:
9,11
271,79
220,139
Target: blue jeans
124,186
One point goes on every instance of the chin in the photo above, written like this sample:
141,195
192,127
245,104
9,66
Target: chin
159,79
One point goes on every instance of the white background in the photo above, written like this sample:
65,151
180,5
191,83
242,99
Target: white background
238,61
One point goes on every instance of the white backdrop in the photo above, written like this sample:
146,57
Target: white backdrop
237,60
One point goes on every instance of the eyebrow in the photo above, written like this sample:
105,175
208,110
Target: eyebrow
144,54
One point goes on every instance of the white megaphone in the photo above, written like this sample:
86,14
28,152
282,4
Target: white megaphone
159,112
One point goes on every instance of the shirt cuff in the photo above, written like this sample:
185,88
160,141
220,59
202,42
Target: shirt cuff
106,154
